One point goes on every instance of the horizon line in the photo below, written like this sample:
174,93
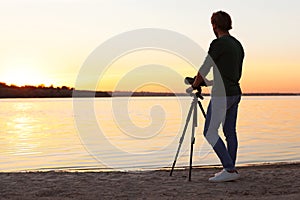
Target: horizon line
43,86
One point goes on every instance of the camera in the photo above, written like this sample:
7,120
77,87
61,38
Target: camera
190,81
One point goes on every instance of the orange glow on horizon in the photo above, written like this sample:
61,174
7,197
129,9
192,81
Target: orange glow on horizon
259,76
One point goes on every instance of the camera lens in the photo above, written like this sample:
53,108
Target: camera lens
189,80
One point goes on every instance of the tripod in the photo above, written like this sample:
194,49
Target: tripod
193,110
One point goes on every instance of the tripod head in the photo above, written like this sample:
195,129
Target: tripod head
189,81
199,95
195,94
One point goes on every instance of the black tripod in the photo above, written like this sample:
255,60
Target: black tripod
193,107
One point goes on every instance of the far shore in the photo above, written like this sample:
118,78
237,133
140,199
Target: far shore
41,91
267,181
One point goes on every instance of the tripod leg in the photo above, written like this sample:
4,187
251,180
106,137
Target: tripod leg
202,109
193,139
182,136
191,162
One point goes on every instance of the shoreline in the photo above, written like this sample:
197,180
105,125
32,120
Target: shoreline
109,170
258,181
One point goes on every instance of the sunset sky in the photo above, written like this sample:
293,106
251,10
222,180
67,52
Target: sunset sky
47,41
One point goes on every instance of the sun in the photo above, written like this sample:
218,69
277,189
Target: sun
22,75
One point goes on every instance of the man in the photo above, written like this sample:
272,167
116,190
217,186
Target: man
225,56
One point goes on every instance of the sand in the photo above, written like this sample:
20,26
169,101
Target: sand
269,181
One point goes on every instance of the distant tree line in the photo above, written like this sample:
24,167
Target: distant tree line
41,91
29,91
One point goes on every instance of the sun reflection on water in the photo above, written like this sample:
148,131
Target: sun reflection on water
22,127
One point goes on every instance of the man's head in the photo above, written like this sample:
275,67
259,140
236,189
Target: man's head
221,22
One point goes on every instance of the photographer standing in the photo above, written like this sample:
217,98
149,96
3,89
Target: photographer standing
225,56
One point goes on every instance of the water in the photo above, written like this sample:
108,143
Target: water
42,134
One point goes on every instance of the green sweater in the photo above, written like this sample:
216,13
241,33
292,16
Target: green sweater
226,56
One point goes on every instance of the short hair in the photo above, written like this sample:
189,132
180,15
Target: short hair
222,20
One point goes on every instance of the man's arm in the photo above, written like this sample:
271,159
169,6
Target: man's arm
198,80
215,50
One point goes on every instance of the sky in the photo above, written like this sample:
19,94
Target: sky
47,41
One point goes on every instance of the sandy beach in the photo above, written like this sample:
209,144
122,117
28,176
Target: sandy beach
268,181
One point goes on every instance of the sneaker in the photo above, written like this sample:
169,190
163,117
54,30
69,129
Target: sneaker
219,172
224,176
